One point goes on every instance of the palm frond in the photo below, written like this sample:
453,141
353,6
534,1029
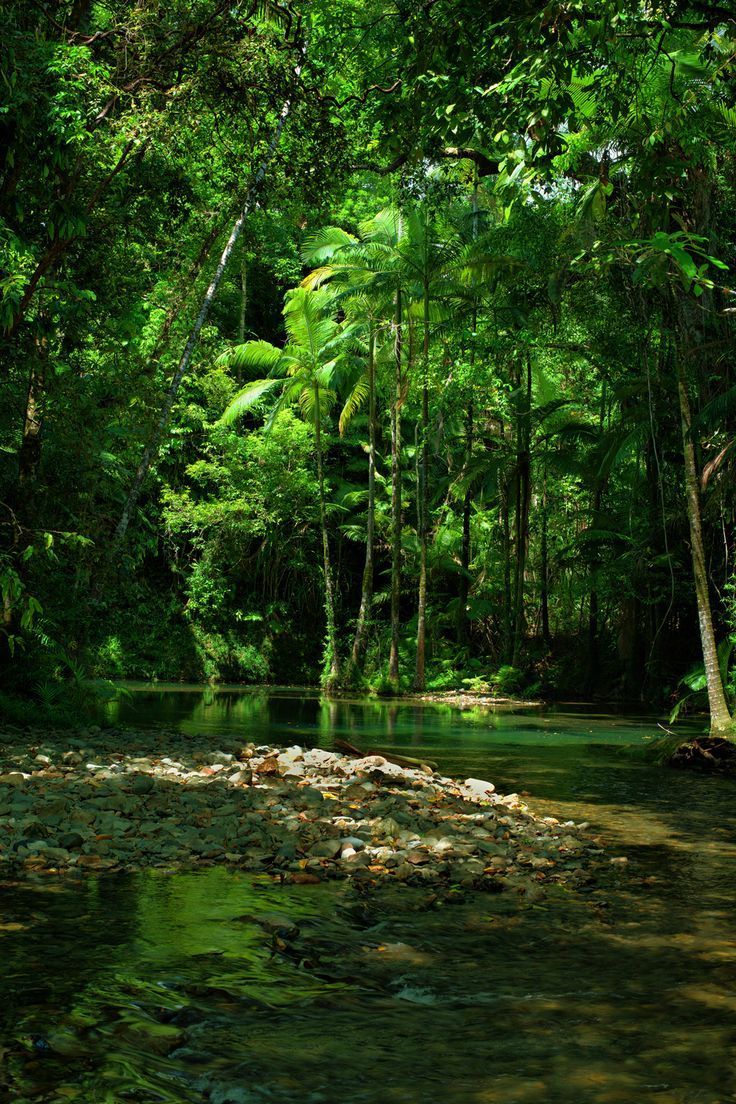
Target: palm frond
320,247
259,355
246,399
353,403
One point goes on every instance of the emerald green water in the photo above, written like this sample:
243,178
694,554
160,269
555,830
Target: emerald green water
161,987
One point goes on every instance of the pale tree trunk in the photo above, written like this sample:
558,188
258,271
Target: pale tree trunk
593,611
366,596
721,722
334,675
151,450
506,626
419,673
689,326
544,571
523,496
393,659
243,295
462,615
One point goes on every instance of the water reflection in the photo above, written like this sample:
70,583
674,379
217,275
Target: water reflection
164,988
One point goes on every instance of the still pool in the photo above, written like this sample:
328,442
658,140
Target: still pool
163,987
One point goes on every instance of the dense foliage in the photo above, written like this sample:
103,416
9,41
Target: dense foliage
457,404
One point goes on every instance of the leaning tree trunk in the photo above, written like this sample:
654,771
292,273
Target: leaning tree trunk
366,596
151,450
334,663
721,721
393,659
419,673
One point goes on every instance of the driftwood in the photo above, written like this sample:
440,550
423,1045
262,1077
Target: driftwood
398,760
709,753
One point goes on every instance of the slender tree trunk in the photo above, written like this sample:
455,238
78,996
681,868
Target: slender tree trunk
419,673
393,659
334,662
29,454
462,613
187,283
523,467
593,600
366,596
151,450
721,722
506,627
243,295
544,567
462,618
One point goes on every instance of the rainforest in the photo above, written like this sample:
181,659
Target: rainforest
373,345
367,551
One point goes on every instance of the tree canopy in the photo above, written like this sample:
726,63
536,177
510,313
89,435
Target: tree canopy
387,345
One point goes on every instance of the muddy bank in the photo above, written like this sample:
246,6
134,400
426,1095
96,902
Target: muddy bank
125,800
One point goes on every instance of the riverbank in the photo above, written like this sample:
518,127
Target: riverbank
124,799
468,699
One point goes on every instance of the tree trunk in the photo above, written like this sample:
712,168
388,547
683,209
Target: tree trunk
592,664
393,659
721,722
332,653
523,484
419,673
29,454
462,616
544,567
366,596
506,633
151,450
243,296
462,613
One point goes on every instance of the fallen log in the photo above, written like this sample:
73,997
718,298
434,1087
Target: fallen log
398,760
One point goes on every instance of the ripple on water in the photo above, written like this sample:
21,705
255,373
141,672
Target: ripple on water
149,988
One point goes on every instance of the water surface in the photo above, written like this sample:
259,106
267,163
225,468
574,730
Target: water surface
161,987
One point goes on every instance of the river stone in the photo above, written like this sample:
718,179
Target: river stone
353,841
71,841
141,784
13,778
325,849
275,922
319,758
478,788
242,777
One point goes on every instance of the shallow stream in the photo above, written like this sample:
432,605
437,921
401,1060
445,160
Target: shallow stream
162,987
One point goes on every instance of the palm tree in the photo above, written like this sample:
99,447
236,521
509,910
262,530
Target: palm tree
302,372
428,253
372,265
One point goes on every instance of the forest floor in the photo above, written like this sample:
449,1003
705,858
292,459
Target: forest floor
122,799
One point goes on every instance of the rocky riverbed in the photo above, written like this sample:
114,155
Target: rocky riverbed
121,800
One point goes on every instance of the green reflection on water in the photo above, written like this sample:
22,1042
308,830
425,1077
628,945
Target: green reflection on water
161,987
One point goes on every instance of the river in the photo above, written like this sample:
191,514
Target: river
160,986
